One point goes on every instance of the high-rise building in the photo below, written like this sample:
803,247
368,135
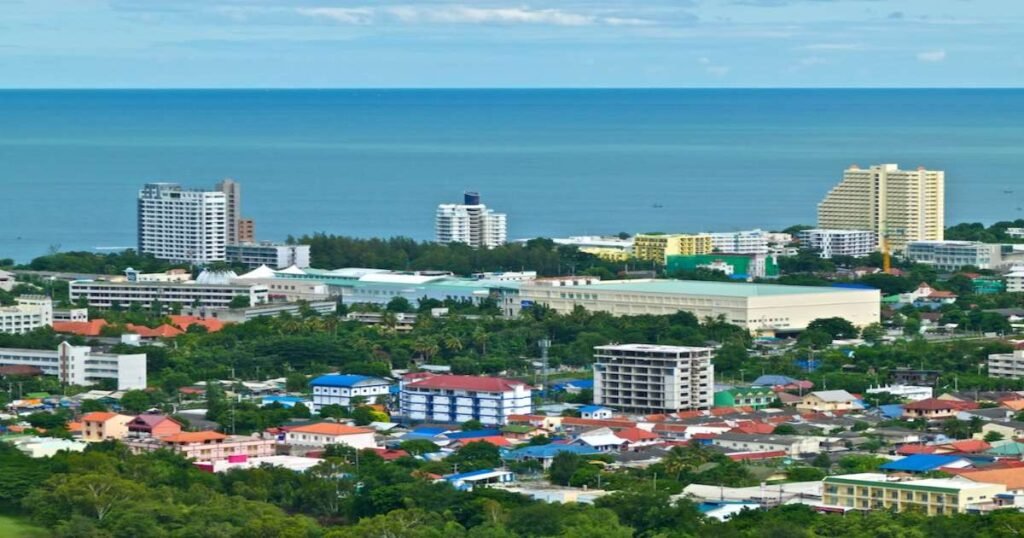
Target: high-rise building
471,223
657,247
182,225
232,208
644,378
899,205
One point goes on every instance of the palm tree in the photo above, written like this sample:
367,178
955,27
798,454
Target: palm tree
452,342
480,339
426,347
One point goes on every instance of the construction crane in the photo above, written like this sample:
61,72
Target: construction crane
883,236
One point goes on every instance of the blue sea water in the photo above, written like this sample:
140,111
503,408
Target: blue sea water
559,162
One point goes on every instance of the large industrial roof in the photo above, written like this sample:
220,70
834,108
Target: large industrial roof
700,287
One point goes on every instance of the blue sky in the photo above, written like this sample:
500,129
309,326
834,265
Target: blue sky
513,43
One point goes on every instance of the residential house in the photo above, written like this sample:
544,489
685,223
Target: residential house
595,412
207,446
828,400
152,425
755,397
102,426
935,409
1010,429
791,445
546,453
329,433
601,439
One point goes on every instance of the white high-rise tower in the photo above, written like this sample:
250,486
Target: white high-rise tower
182,225
471,223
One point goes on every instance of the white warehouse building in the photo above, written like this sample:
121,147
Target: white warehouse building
78,365
760,308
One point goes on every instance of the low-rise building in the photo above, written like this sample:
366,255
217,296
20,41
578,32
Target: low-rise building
657,247
906,392
276,255
336,389
735,266
155,425
742,242
211,292
329,433
935,409
242,315
103,426
828,400
792,445
30,313
1007,365
934,496
756,397
458,398
78,365
7,280
207,445
1015,281
955,255
830,243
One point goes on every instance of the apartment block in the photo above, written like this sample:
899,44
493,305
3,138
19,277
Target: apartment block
471,223
1015,281
1007,365
933,497
742,242
899,205
657,247
182,225
955,255
207,446
101,426
337,389
645,378
30,313
829,243
78,365
273,255
232,208
458,398
106,294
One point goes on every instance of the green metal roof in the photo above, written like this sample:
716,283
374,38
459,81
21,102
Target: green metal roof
700,287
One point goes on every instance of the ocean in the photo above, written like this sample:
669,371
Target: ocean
558,162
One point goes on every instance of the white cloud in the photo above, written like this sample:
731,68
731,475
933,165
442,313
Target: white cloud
463,14
812,60
704,60
343,15
718,70
835,46
931,56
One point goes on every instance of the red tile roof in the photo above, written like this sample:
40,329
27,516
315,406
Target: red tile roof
635,435
390,454
607,423
969,446
495,440
754,427
935,404
80,328
466,382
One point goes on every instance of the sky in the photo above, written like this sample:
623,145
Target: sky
510,43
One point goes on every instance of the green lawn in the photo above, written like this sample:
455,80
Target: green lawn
17,528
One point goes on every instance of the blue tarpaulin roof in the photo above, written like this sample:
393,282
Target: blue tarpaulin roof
772,380
891,410
920,463
471,434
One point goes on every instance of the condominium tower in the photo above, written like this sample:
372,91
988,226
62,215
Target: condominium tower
644,378
899,205
471,223
232,208
182,225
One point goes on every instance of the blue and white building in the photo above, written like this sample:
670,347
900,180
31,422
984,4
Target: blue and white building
458,398
338,389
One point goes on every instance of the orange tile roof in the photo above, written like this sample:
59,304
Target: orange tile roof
184,322
74,427
80,328
635,435
1012,478
163,331
969,445
754,427
495,440
98,416
907,450
1014,405
329,428
193,437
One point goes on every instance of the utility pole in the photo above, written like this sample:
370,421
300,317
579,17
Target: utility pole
544,345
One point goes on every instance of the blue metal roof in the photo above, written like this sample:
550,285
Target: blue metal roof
919,463
891,410
549,451
337,380
429,430
771,380
593,409
471,474
471,434
582,384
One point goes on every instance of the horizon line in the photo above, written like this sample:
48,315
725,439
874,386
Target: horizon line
499,88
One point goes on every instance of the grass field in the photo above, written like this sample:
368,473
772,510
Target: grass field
15,528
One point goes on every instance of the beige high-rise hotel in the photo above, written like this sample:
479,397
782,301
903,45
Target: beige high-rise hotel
899,205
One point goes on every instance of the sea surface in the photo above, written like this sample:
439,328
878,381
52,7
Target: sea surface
559,162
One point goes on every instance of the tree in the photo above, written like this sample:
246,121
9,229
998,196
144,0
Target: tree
815,339
296,382
399,304
993,436
785,429
836,327
805,474
563,466
822,460
240,301
364,415
416,447
873,333
89,406
471,425
136,401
